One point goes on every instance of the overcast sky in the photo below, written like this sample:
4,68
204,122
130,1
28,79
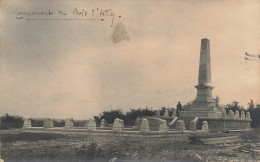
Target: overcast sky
74,69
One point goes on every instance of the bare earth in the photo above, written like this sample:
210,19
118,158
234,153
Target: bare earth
33,146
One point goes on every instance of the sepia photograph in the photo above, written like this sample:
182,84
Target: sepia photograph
129,81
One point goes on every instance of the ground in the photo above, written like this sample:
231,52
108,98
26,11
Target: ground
33,146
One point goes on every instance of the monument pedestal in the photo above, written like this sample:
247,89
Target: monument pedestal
193,114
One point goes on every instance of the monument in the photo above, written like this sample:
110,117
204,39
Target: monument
204,104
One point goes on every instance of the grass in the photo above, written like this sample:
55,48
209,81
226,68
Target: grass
32,146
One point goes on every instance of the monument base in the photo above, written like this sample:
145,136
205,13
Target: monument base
193,114
225,124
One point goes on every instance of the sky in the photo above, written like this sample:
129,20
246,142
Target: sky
76,68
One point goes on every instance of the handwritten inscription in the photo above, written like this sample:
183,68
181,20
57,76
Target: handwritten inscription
75,14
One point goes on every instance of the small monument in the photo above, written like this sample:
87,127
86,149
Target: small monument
180,125
27,123
248,115
92,124
205,126
157,113
69,123
103,123
48,123
231,114
237,114
144,126
117,126
163,126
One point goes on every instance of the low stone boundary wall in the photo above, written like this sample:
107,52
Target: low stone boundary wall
145,125
223,124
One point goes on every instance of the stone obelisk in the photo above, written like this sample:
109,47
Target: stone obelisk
203,105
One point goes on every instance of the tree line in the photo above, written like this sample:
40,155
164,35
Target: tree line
13,121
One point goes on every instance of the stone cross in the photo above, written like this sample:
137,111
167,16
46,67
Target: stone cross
248,115
157,113
92,124
243,115
48,123
231,114
237,114
163,126
69,123
27,123
144,125
117,126
205,125
103,123
180,125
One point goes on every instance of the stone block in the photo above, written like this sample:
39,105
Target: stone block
174,114
193,124
205,126
92,125
144,126
231,114
166,113
157,113
248,115
103,123
224,113
117,125
237,114
242,115
180,125
48,123
163,126
69,123
27,123
173,122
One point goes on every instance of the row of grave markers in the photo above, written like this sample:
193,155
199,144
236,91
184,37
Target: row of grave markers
230,114
235,114
91,123
166,113
118,124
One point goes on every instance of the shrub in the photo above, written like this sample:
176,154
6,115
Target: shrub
11,121
90,152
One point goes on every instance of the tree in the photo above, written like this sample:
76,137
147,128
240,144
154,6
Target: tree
254,113
111,115
187,106
11,121
251,105
234,106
